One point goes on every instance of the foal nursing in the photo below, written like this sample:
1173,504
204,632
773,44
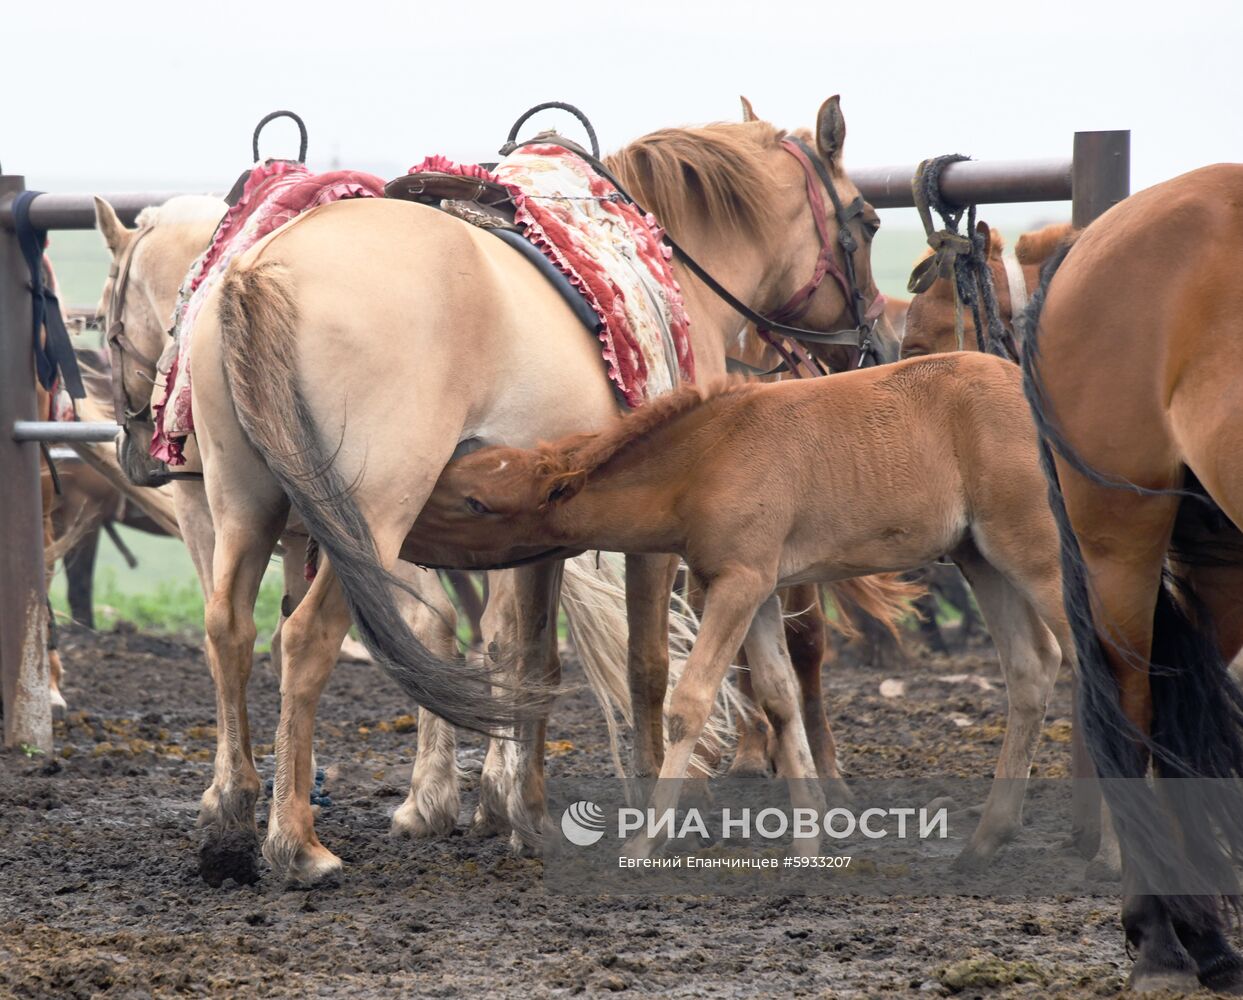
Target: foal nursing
762,486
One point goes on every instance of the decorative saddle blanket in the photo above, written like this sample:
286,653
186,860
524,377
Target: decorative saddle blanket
274,193
611,254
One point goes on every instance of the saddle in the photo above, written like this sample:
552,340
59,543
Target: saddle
480,202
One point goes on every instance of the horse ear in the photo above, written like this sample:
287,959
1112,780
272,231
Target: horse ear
986,234
831,131
564,486
110,226
748,112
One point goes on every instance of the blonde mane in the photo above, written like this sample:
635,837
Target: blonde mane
582,454
717,172
186,209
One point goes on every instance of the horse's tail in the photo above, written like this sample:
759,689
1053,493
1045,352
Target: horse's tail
887,597
1197,726
258,319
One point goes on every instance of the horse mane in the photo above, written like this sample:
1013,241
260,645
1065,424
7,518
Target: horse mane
1038,246
580,455
183,210
715,171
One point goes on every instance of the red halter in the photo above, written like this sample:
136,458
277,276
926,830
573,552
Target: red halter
793,353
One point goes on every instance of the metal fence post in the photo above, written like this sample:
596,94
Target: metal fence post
23,612
1100,174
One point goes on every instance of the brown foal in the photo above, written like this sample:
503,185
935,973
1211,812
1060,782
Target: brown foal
759,486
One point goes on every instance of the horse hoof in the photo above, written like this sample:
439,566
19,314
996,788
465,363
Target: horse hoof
1162,981
523,848
233,854
409,822
970,862
1099,870
749,769
1223,974
484,825
315,867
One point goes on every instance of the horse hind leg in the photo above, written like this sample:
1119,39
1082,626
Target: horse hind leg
499,633
536,594
1030,657
779,695
753,753
807,638
312,638
230,849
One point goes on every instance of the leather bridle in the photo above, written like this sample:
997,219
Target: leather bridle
864,314
119,343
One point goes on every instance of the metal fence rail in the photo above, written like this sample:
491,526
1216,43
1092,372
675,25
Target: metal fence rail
1096,176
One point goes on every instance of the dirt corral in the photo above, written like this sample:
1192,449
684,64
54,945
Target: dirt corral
99,891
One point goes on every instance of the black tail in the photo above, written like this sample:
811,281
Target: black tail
258,317
1197,729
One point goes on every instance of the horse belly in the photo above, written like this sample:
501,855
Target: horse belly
872,539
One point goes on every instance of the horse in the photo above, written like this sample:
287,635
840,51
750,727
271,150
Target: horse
930,320
294,325
759,486
1130,364
147,269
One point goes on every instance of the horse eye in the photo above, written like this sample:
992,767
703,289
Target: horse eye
477,506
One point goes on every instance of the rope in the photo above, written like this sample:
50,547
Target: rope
959,258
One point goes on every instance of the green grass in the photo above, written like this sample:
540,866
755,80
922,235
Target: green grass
162,593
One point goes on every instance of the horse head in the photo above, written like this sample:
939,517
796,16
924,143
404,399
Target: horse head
149,264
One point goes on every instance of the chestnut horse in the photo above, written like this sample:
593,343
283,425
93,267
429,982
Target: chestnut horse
1132,373
930,318
431,335
760,486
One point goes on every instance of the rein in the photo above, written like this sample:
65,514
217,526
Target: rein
960,259
118,342
859,337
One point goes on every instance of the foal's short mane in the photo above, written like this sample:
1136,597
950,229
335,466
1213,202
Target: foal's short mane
716,172
583,454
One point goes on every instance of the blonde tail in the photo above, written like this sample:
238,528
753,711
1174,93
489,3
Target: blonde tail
593,595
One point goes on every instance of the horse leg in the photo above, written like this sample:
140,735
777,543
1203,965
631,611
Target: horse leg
649,586
228,806
751,755
730,603
80,577
1219,967
536,591
1030,657
1124,540
312,637
497,624
293,589
431,809
779,696
807,637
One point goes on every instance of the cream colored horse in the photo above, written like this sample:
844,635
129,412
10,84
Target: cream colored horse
157,255
347,357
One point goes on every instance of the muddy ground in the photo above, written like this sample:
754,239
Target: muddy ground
99,891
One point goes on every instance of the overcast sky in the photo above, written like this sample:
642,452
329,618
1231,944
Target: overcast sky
124,95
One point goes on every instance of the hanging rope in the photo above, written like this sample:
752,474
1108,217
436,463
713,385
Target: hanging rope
960,258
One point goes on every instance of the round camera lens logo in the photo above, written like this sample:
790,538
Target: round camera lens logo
583,823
